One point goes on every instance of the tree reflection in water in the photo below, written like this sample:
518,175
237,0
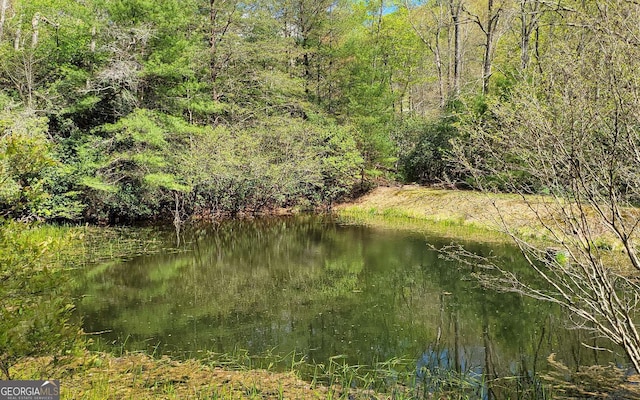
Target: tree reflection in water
320,289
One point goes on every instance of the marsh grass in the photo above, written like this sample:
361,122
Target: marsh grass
100,244
96,375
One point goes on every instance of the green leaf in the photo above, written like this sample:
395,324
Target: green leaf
97,184
165,181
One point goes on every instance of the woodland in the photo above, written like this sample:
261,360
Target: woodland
119,111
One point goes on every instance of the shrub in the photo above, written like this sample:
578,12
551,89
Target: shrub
35,306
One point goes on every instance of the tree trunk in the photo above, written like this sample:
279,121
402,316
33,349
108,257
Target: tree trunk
3,13
489,28
35,22
435,48
438,60
486,62
213,48
490,33
524,51
18,39
524,35
537,49
455,8
217,31
529,18
306,62
92,44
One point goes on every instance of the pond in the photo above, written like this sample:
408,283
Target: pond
314,286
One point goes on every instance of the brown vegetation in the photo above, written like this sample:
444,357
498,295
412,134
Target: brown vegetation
139,376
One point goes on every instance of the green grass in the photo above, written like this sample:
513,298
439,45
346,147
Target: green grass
94,375
397,219
468,215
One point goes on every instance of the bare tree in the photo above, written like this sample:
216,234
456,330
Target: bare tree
488,24
573,134
121,77
430,35
529,15
455,9
534,15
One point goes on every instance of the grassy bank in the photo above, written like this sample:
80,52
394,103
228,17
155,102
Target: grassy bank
465,215
90,375
99,376
451,213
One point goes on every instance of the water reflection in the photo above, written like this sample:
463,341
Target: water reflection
313,286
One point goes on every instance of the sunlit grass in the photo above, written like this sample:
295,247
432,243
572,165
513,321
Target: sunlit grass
467,215
95,375
396,219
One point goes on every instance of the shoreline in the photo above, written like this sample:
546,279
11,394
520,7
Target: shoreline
456,214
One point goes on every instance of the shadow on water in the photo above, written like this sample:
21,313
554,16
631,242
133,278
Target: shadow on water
310,286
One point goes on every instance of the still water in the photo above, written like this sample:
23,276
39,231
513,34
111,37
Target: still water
321,288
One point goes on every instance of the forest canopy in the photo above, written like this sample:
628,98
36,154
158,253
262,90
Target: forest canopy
115,110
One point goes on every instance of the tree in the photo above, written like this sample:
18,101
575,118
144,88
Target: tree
25,155
221,16
4,6
307,23
572,134
455,9
430,29
488,24
127,173
529,15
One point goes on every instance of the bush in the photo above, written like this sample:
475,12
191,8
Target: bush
281,162
33,181
427,161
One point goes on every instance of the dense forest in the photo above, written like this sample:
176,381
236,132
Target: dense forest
116,110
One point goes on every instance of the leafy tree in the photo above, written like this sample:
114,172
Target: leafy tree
428,161
30,169
127,169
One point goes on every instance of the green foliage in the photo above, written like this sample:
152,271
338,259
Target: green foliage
127,170
136,167
30,173
278,163
35,309
130,92
428,161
